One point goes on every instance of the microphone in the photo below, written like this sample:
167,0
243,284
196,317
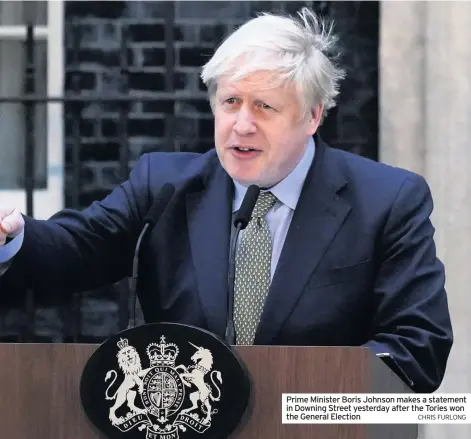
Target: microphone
240,222
150,220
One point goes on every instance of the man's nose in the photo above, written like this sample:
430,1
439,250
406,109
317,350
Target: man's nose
245,122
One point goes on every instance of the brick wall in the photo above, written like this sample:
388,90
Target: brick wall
94,66
198,28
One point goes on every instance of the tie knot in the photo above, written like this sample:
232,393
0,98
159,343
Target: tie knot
264,203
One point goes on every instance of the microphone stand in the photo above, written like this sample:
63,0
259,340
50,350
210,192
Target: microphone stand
135,271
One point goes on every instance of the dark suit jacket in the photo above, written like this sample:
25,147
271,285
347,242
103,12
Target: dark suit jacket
358,266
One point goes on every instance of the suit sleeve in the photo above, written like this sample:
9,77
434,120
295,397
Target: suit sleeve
74,251
412,320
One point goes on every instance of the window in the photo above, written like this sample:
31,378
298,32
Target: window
47,19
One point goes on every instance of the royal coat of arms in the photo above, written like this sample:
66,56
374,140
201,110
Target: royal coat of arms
163,398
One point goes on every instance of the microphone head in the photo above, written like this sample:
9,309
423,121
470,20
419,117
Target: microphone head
245,212
159,204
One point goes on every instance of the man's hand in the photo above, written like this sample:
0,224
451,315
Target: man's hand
11,224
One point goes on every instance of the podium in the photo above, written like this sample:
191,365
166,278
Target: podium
39,396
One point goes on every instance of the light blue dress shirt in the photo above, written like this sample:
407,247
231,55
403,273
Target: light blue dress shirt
279,217
287,192
9,250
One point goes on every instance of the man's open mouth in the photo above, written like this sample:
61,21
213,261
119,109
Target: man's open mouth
242,149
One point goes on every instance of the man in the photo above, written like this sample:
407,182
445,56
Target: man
339,250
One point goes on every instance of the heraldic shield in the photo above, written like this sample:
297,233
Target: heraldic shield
165,381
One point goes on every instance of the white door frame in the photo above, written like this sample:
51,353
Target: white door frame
47,201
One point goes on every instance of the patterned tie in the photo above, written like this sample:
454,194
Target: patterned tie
252,271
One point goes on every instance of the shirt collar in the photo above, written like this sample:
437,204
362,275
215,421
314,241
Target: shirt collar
287,191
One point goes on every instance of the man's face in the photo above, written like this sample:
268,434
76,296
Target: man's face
260,133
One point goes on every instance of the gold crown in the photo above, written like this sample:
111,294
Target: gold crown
162,354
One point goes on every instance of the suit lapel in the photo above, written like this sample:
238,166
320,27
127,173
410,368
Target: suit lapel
208,214
319,215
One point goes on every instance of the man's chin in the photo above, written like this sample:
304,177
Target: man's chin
247,178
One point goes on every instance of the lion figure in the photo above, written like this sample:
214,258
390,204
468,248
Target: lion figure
130,363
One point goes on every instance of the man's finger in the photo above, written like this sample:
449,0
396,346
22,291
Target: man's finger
12,225
5,212
2,230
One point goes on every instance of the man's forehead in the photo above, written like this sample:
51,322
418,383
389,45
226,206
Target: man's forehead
263,82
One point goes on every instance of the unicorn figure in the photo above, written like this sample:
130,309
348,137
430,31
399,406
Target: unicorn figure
194,375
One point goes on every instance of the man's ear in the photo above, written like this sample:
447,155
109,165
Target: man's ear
314,118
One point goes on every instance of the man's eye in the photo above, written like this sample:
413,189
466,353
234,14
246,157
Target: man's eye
265,106
231,101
